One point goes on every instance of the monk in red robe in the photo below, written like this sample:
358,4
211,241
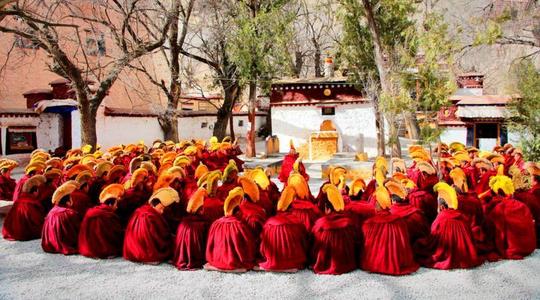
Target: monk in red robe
82,201
47,190
284,240
292,162
7,184
359,210
24,220
191,235
450,245
302,207
387,248
101,234
34,168
96,186
135,196
534,194
231,246
61,227
416,221
334,246
515,234
468,202
229,180
148,238
267,193
213,205
336,176
250,211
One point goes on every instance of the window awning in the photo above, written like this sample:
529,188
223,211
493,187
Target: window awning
56,106
479,112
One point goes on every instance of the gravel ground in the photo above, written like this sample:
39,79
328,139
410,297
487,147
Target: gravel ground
26,272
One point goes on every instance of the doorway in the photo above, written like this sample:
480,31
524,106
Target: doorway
486,135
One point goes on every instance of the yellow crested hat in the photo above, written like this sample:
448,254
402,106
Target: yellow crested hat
502,183
65,189
250,188
231,166
334,196
382,196
166,196
460,179
286,198
234,199
395,188
298,182
259,176
356,186
447,193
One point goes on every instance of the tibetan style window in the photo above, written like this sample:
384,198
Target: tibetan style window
240,123
328,111
204,124
95,44
21,139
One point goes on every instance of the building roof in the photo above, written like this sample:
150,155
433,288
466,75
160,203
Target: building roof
481,100
312,80
37,91
486,112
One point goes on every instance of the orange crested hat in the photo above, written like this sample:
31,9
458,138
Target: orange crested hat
201,170
533,169
298,182
65,189
334,197
426,167
395,188
356,186
112,191
76,169
196,200
34,181
337,175
286,198
259,176
166,196
234,199
382,196
250,188
460,179
138,176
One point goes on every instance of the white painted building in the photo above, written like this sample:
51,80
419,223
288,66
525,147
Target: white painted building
300,106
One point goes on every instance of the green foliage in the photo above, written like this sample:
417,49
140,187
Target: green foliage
490,35
258,45
525,108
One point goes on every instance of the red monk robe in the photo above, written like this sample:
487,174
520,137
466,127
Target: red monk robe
190,244
417,223
133,198
148,238
7,187
450,245
534,193
101,234
19,185
231,245
515,234
387,248
61,230
424,201
287,167
253,215
284,244
334,247
24,220
305,211
81,201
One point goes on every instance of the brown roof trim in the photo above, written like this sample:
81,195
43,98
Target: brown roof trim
315,103
18,113
37,91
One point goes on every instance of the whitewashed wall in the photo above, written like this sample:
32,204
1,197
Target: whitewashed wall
49,131
454,134
113,130
355,124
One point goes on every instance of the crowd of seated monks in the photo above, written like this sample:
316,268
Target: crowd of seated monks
193,205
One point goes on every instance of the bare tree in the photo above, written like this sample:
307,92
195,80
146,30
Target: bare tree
207,43
74,35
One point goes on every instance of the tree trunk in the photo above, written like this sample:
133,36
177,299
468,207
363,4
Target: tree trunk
250,150
379,125
231,126
88,125
412,125
317,60
231,92
169,125
394,136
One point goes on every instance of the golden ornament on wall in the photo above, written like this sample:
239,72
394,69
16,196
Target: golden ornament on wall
327,92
